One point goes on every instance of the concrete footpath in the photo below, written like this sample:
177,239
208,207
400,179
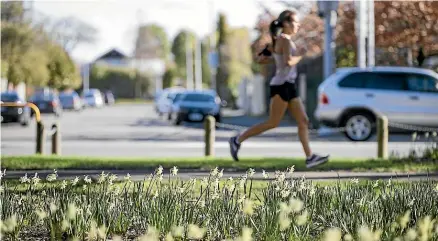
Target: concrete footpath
138,175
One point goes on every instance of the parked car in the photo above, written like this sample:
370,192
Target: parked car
164,102
109,97
47,102
14,114
93,98
195,105
70,100
354,97
174,104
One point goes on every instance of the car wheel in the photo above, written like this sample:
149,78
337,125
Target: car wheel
25,122
218,118
359,126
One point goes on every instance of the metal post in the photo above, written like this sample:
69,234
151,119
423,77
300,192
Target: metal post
198,65
213,67
210,135
328,10
361,31
371,34
40,138
189,64
303,88
86,77
56,139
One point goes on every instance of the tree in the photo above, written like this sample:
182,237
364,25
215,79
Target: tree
151,42
206,70
399,27
168,77
62,70
12,11
17,40
179,46
223,68
223,29
234,59
69,32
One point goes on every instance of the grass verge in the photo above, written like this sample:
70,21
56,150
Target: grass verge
39,162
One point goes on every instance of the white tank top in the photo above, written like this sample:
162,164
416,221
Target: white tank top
284,73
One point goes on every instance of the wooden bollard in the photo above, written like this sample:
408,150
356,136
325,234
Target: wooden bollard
56,139
40,138
382,137
210,135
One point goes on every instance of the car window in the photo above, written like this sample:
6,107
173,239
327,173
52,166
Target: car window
422,83
42,96
386,81
199,98
354,80
9,97
177,97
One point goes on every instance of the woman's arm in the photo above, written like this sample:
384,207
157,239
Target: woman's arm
265,56
286,51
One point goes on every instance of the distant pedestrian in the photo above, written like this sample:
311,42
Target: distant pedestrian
283,90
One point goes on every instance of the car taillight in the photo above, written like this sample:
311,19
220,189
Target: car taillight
324,99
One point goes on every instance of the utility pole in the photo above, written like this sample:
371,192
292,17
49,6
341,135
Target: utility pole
328,11
361,32
212,58
189,64
198,65
371,34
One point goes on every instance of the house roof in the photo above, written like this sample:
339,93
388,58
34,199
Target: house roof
113,53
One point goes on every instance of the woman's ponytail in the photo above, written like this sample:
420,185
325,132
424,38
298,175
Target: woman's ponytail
274,30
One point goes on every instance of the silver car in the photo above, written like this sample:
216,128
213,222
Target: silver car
354,97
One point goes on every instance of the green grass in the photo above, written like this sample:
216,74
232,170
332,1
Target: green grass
40,162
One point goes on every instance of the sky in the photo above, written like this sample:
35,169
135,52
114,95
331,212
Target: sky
117,20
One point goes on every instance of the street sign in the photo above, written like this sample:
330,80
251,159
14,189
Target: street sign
213,59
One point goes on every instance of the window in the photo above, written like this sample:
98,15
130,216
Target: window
422,83
355,80
199,98
9,97
386,81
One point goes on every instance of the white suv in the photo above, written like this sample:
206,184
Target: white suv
353,97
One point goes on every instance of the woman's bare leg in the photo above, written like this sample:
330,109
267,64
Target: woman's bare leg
296,109
277,109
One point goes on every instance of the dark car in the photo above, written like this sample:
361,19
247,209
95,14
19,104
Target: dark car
70,101
194,106
47,102
14,114
109,97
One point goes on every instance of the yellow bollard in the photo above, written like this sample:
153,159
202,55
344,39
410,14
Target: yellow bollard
40,127
382,137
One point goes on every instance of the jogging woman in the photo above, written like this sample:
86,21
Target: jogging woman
283,91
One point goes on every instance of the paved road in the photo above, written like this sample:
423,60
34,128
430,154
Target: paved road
135,130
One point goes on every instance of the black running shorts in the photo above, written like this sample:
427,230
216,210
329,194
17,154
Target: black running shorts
286,91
